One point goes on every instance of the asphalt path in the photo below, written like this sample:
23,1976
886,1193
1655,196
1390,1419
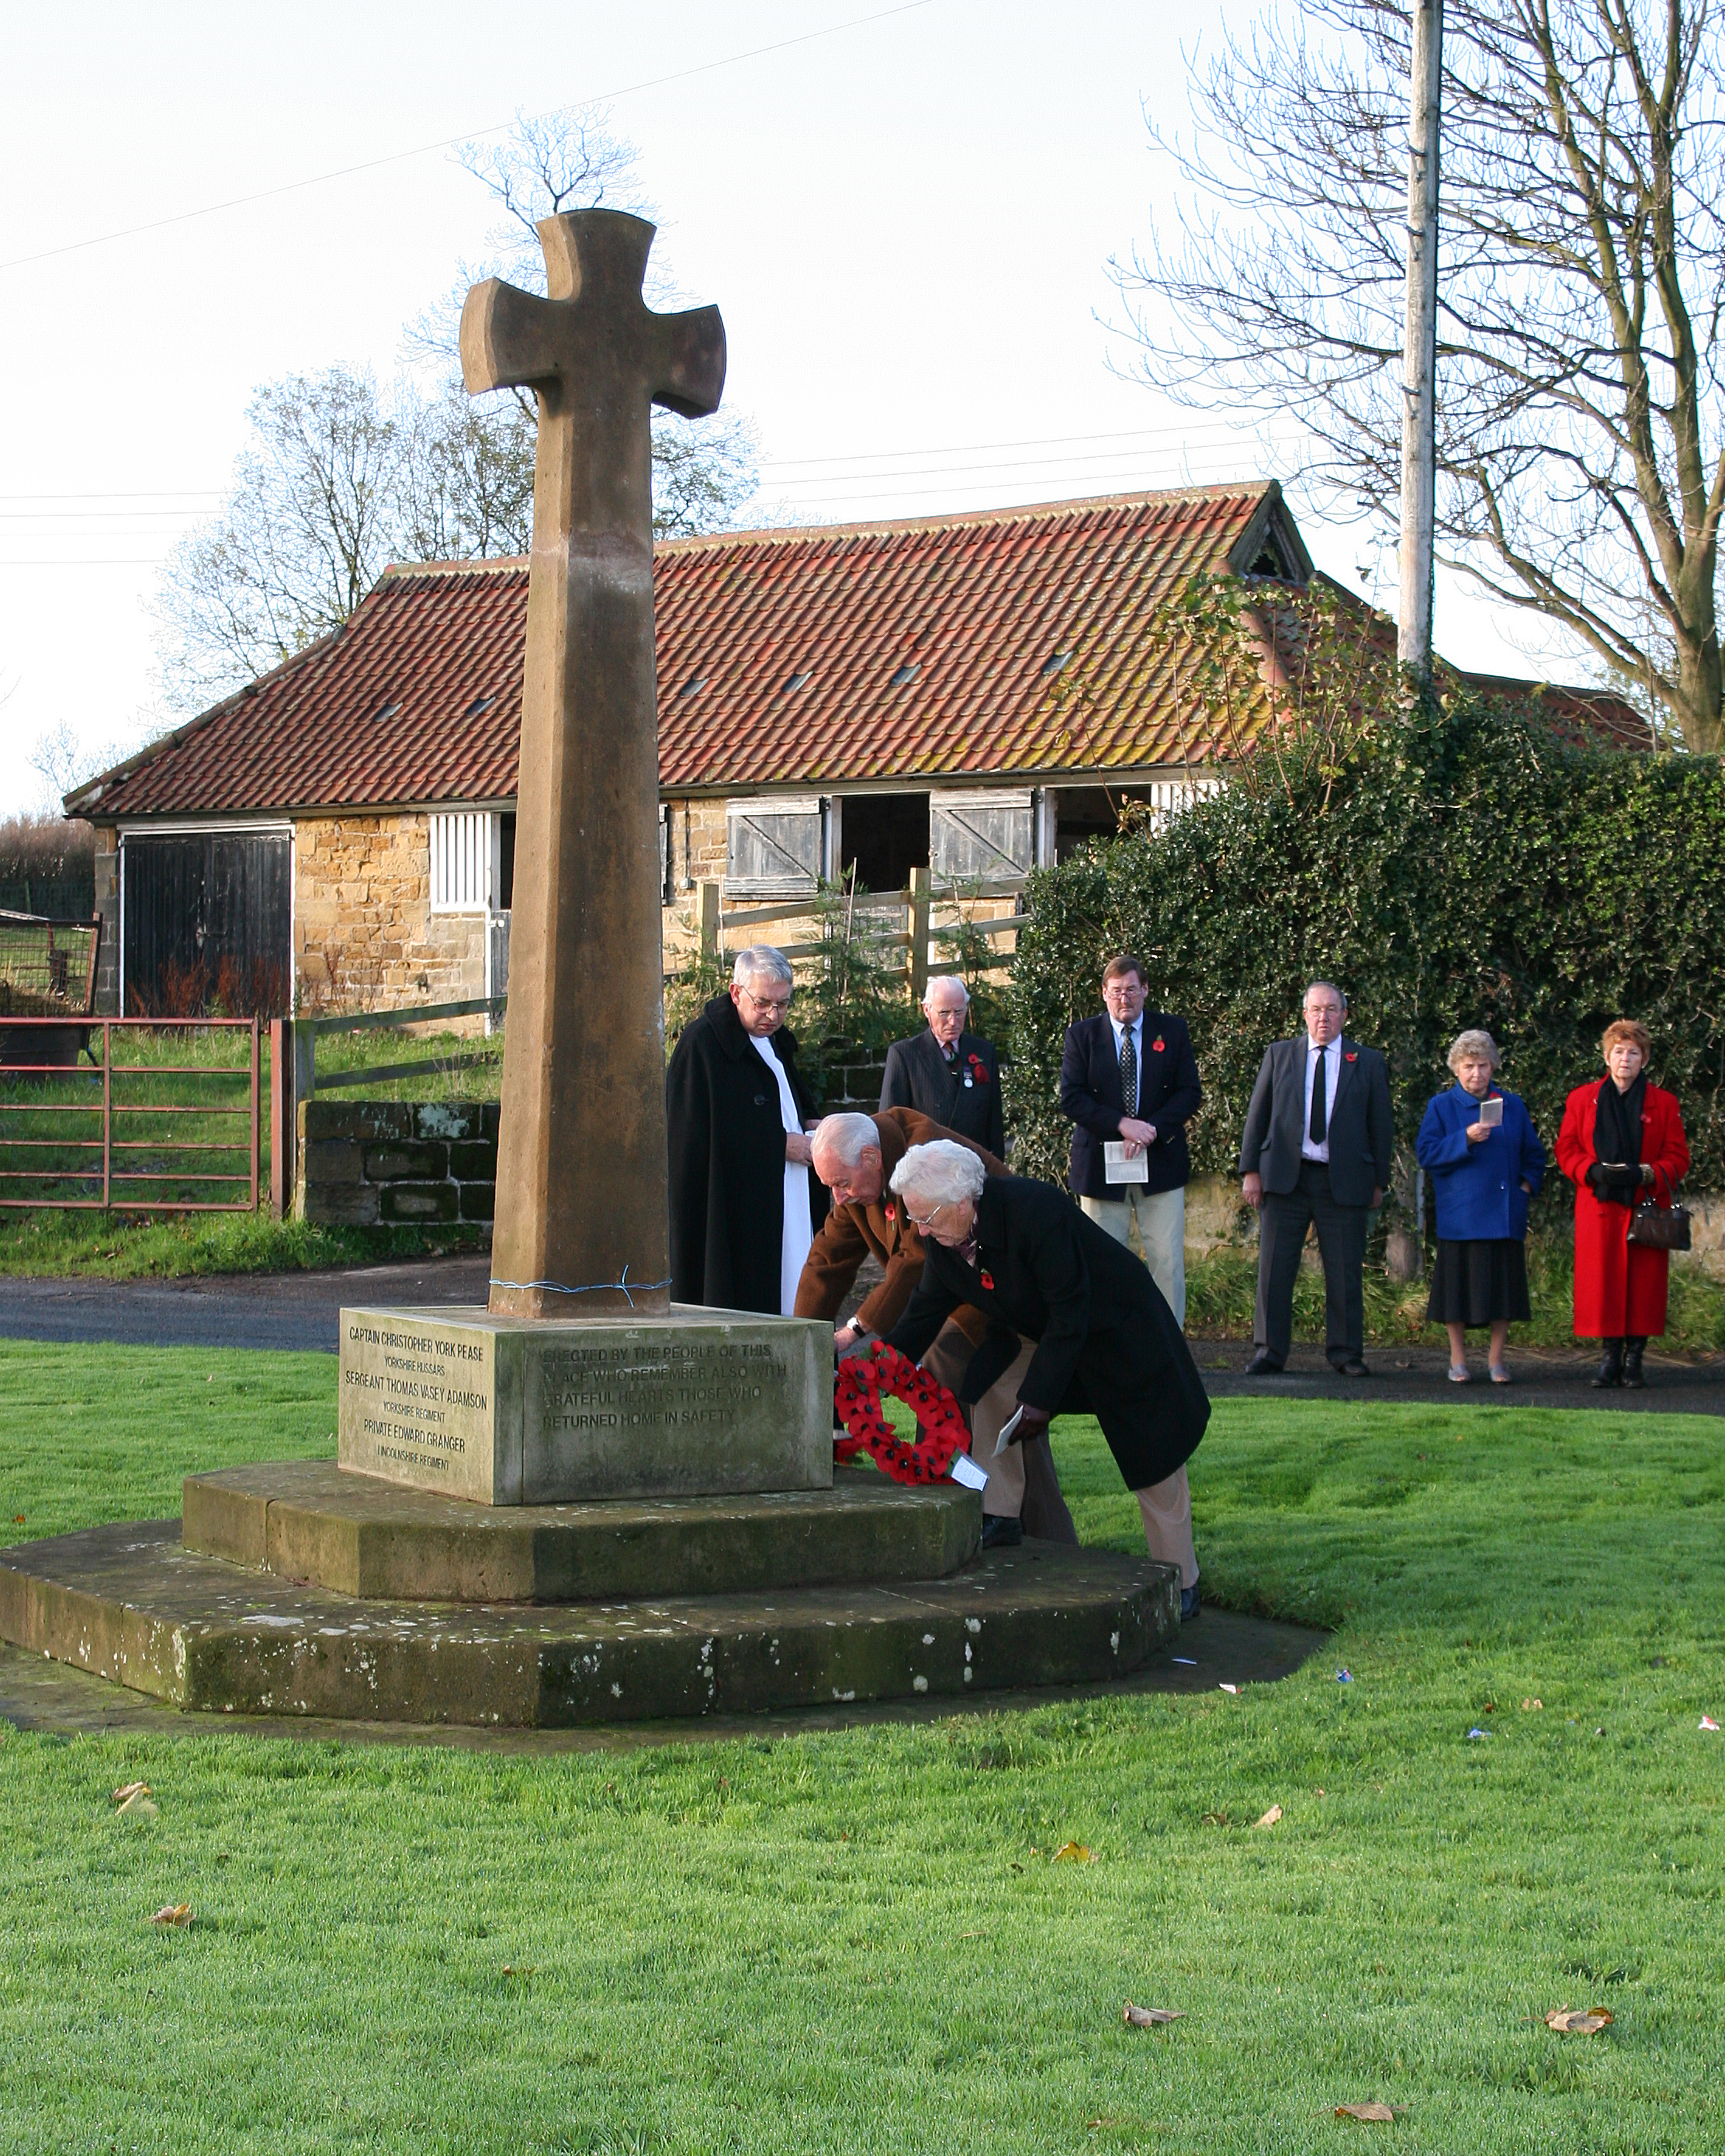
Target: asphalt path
302,1311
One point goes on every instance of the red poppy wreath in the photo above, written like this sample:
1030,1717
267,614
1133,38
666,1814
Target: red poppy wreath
941,1434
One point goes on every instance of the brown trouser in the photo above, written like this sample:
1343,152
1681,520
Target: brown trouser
1022,1482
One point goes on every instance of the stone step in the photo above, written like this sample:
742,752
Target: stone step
311,1520
129,1603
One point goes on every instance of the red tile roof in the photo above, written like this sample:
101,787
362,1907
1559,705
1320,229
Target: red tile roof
1005,644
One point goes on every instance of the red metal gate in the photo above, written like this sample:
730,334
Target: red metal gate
172,1128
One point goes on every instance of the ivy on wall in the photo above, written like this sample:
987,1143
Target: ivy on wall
1459,867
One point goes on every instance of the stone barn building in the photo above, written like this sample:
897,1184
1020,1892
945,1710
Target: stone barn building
971,694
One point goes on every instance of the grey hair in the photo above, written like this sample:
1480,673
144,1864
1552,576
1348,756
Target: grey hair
846,1139
946,981
942,1170
1332,988
1475,1042
759,959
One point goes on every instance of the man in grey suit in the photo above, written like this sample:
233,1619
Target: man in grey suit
1317,1145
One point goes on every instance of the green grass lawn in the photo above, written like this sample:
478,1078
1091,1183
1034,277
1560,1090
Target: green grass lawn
857,1940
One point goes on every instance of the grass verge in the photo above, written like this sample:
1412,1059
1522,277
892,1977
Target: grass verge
119,1246
858,1941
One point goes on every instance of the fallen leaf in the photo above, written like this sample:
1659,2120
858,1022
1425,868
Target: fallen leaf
173,1912
1582,2022
1532,1705
1270,1817
1214,1818
1227,1687
1150,2017
127,1790
1072,1852
1378,2114
18,1519
138,1805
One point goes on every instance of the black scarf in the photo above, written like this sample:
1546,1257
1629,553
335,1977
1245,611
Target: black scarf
1617,1133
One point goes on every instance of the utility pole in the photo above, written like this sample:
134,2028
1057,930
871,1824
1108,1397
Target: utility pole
1420,341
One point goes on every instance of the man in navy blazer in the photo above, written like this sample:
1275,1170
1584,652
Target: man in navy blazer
946,1073
1317,1147
1130,1077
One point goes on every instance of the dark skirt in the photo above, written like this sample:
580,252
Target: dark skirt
1479,1283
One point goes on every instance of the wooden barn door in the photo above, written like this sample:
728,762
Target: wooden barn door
206,922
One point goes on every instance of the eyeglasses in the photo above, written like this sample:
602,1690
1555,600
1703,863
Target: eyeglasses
923,1220
779,1004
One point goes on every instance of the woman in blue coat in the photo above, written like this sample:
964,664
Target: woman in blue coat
1486,1161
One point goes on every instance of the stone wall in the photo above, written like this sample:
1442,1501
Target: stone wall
367,1163
365,936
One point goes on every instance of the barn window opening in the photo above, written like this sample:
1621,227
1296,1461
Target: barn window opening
905,675
479,704
883,837
692,688
385,711
797,681
1057,663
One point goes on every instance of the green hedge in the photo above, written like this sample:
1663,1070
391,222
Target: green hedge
1458,868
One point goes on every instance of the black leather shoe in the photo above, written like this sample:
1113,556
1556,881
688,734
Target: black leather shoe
1001,1533
1610,1370
1355,1368
1189,1605
1262,1366
1633,1380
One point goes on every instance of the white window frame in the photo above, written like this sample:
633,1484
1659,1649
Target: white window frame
466,846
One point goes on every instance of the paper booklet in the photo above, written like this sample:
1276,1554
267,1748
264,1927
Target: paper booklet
1492,1111
1008,1431
1117,1168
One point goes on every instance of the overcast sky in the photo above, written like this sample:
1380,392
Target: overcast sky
906,217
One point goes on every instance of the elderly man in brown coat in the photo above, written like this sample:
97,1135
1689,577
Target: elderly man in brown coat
855,1156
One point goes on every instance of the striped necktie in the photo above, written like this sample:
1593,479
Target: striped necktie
1128,1071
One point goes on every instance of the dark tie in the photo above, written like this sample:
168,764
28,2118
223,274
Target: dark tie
1320,1100
1129,1072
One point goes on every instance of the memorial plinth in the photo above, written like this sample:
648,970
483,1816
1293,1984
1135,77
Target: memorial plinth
504,1410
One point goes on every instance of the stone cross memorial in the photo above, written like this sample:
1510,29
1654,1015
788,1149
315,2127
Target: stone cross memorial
580,1380
582,1226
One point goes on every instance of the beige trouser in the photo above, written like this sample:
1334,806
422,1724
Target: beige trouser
1166,1507
947,1362
1160,1217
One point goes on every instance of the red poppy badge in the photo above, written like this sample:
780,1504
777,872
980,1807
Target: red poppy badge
1158,1046
978,1068
1350,1056
892,1212
987,1279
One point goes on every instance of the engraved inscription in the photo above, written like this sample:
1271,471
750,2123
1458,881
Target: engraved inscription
703,1385
413,1399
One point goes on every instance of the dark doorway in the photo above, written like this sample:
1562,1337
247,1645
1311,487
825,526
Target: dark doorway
887,836
206,922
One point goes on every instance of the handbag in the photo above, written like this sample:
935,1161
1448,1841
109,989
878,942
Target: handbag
1657,1227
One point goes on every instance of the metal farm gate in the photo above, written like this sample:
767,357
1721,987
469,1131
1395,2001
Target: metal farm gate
206,919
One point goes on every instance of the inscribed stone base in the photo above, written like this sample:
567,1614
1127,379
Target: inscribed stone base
506,1410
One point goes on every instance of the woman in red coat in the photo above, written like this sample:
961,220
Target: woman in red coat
1622,1141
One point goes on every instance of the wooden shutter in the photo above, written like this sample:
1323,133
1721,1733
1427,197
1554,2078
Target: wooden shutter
773,846
984,835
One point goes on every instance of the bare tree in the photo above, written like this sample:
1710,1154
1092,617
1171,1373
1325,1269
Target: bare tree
341,477
313,519
1582,283
703,475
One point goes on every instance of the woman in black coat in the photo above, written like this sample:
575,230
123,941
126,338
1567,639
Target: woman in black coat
1107,1345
